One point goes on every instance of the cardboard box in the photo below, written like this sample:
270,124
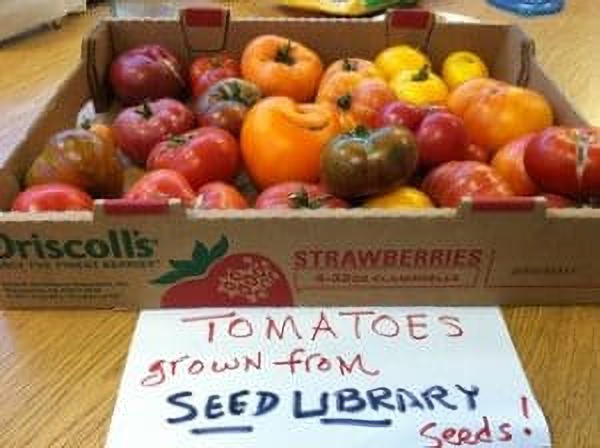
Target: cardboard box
132,255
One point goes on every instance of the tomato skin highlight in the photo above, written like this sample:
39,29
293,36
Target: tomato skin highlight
449,183
162,185
52,197
220,196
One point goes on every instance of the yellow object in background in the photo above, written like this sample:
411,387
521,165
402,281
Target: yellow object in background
403,197
421,87
462,66
346,7
392,61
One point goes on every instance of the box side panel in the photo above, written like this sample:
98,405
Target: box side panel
471,259
565,113
97,53
513,55
60,113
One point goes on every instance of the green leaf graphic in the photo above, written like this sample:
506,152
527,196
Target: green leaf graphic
184,265
219,249
200,253
201,259
169,277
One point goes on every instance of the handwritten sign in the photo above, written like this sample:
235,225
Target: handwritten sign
300,378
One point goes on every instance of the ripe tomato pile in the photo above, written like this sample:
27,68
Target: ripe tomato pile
277,128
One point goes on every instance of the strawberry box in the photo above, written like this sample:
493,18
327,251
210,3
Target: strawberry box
134,255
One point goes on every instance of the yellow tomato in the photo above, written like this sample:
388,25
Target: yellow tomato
403,197
395,60
462,66
420,87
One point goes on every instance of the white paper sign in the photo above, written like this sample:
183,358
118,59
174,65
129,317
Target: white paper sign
316,378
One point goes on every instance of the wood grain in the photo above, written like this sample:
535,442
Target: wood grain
60,369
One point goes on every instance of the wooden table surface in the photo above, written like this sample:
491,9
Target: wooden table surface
59,370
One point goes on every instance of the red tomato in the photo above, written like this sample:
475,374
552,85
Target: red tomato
449,183
477,153
138,129
52,197
508,162
565,161
294,195
162,185
400,113
146,73
207,70
201,156
442,137
220,196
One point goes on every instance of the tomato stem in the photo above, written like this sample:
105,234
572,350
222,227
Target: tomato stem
301,199
144,110
284,54
422,74
359,131
349,66
232,92
344,102
178,140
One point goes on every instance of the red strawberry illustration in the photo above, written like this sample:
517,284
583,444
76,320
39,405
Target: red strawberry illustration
218,280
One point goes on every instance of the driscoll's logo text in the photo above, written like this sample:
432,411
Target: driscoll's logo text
115,244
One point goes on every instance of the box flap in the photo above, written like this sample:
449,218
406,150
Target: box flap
204,29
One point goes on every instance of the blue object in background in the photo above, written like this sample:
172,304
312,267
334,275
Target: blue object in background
530,7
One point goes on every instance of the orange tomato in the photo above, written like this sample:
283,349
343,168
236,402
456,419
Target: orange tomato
356,99
496,113
505,114
352,65
281,67
282,140
509,163
461,97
